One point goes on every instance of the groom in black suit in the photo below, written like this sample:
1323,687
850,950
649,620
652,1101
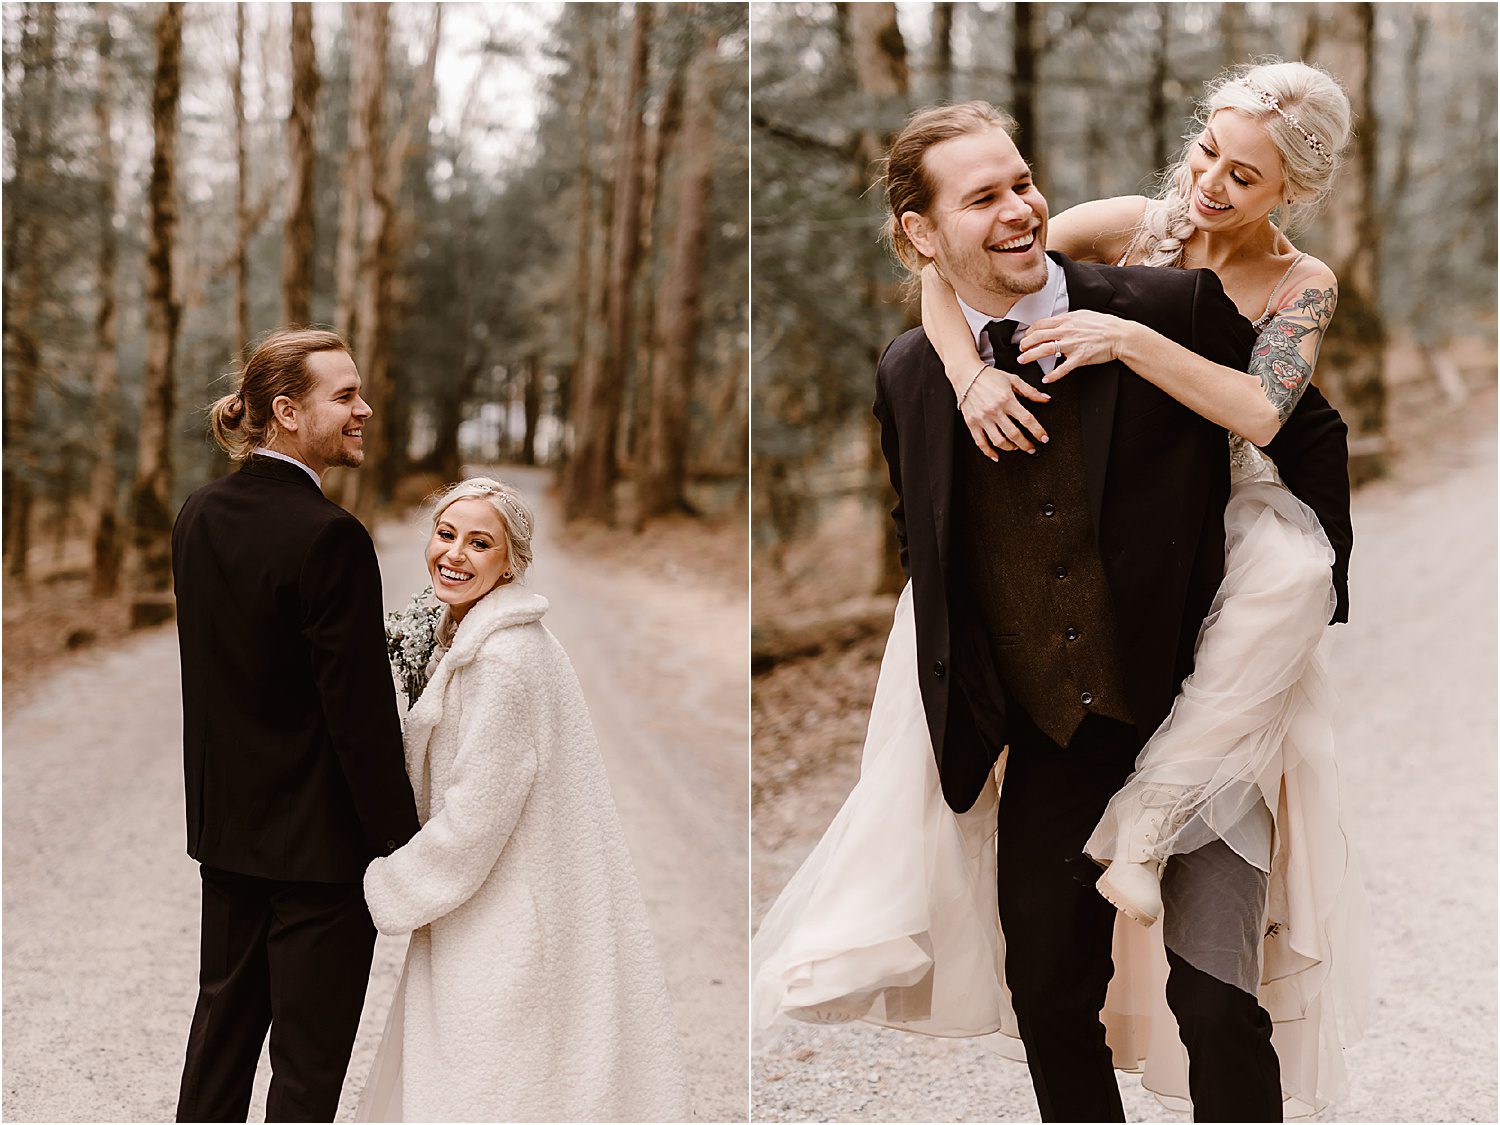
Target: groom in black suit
1058,597
295,775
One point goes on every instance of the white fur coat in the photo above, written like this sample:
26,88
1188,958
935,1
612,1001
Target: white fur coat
532,989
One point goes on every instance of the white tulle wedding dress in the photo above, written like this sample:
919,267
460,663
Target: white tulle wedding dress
892,918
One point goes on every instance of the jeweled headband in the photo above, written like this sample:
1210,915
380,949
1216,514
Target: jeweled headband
1270,101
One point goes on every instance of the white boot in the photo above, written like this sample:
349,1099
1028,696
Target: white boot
1132,882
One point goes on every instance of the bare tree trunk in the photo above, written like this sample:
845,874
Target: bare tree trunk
1156,90
241,195
879,55
1028,19
531,408
371,45
658,152
354,176
1232,33
1406,133
663,480
942,50
590,488
1352,363
104,483
585,282
410,139
299,234
1100,116
880,70
24,278
150,561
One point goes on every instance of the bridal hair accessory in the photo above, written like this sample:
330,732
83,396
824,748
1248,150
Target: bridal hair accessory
1270,101
511,506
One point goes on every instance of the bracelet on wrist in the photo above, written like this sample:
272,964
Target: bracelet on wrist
970,387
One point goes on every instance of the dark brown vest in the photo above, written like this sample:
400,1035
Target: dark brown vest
1026,553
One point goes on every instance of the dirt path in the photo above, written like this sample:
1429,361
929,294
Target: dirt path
101,903
1416,673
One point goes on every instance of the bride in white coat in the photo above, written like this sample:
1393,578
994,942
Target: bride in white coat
531,989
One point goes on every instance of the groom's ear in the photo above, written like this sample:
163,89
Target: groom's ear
917,229
284,411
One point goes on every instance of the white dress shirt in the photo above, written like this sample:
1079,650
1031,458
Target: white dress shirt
262,451
1050,300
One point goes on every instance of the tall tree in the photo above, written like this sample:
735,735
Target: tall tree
880,75
589,491
357,171
660,143
150,562
1158,114
584,283
242,229
104,482
1231,34
298,238
942,50
371,294
672,376
1352,363
1028,23
24,277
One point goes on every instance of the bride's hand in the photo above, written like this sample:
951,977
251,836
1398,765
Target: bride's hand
1082,337
996,416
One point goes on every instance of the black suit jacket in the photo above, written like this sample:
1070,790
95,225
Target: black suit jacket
1158,480
291,738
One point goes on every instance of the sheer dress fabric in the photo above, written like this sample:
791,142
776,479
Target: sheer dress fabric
893,917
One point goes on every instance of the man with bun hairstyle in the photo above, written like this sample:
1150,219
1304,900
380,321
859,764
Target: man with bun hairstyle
295,777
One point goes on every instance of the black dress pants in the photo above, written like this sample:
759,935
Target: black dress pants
293,957
1058,936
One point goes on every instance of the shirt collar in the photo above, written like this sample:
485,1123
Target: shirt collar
1030,308
262,451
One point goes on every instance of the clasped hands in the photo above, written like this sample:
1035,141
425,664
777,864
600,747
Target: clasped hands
993,410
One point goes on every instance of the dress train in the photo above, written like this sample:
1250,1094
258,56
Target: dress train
892,918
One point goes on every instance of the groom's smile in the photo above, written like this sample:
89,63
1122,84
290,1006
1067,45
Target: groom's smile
987,225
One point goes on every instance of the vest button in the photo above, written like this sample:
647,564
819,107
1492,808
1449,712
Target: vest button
1086,698
1072,634
1061,572
1049,510
938,669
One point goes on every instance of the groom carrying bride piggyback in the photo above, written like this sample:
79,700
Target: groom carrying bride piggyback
1058,596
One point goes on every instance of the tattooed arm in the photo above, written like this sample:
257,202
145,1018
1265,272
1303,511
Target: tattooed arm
1252,403
1286,351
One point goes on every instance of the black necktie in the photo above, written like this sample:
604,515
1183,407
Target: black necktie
1007,353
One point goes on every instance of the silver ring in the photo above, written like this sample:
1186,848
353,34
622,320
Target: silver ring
1056,350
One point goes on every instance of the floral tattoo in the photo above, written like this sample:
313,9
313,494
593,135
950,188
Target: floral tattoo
1277,358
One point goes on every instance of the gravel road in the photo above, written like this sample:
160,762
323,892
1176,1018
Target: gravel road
1416,673
101,903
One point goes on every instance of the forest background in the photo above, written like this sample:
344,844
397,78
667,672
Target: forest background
1103,95
529,220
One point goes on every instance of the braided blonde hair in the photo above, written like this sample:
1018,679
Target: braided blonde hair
515,516
1305,92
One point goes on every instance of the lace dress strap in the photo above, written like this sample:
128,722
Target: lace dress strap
1265,316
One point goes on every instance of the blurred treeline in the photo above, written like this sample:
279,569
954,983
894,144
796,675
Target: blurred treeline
1103,94
529,220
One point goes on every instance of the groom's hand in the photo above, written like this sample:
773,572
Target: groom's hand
997,418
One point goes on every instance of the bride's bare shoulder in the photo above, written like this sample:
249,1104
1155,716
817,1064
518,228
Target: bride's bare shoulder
1097,231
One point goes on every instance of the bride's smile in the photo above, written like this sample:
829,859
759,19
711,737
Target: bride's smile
467,556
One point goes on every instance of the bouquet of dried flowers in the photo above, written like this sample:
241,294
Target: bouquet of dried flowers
410,637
